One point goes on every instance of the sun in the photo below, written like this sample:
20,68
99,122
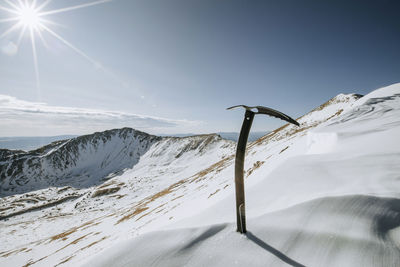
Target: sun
29,17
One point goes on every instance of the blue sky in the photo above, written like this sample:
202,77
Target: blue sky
172,66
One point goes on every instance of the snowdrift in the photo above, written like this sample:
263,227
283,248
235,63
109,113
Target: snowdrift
336,231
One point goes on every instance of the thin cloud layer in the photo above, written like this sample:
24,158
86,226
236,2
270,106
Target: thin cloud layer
24,118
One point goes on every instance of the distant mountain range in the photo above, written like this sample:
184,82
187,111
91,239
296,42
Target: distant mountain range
28,143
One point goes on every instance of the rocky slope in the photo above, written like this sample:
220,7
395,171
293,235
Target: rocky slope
78,162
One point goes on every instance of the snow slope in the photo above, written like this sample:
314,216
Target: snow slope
338,231
334,201
36,227
323,194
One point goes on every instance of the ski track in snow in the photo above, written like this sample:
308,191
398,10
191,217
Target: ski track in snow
323,194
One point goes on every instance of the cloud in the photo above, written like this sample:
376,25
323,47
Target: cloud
10,49
24,118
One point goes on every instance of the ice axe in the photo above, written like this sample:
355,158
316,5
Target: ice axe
240,154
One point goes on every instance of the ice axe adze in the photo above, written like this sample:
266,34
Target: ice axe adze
240,153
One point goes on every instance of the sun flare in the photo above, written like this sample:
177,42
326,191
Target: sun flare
28,16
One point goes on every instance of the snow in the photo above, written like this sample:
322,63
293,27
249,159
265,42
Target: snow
315,233
320,143
323,194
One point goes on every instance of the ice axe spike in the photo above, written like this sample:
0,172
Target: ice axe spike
240,154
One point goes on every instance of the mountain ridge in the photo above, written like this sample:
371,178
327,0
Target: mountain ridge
62,160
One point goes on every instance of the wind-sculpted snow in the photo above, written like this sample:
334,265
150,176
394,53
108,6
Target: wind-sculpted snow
322,194
354,230
377,106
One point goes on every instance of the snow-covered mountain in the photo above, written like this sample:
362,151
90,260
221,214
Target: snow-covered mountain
322,194
78,162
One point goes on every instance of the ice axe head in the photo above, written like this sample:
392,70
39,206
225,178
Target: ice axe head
268,111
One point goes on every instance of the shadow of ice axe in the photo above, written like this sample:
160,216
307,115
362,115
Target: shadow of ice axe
240,153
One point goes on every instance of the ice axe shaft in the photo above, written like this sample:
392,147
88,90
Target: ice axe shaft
239,166
240,156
